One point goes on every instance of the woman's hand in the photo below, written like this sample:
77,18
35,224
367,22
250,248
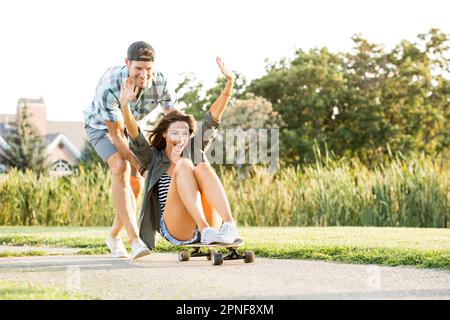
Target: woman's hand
128,92
227,73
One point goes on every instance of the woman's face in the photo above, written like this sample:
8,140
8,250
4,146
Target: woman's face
177,137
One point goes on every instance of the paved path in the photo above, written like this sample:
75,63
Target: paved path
162,276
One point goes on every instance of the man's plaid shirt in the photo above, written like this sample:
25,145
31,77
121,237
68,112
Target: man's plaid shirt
106,105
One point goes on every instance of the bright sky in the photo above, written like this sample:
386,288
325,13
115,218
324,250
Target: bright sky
59,49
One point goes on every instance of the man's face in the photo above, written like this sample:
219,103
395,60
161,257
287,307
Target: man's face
140,71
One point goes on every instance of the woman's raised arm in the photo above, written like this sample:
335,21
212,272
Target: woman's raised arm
218,107
127,93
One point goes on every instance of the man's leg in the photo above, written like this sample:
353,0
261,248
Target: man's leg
123,197
137,183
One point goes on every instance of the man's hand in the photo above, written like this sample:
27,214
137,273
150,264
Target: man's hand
227,73
128,92
115,130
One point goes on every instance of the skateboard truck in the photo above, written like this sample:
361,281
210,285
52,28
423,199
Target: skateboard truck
216,257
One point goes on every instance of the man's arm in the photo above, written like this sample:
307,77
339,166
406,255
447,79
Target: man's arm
116,131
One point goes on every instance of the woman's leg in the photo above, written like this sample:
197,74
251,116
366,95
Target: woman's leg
184,208
212,189
212,216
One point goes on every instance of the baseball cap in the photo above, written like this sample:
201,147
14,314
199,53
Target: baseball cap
140,51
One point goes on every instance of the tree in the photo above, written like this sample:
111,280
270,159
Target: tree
304,92
26,146
196,102
244,121
362,103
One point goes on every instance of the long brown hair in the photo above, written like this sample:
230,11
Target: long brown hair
156,135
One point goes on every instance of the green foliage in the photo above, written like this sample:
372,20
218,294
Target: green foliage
411,192
404,192
245,114
420,247
84,198
15,290
26,147
196,102
364,102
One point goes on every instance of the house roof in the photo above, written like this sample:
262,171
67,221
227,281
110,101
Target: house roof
74,131
52,140
50,137
9,117
3,143
4,128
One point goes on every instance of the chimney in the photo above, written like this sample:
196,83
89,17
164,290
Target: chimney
37,112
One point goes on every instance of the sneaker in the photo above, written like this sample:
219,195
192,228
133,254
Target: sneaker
116,247
211,235
229,230
139,249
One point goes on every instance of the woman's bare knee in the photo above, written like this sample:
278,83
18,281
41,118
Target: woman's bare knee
203,172
184,164
202,166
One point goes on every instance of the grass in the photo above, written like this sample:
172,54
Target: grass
30,253
12,290
419,247
411,191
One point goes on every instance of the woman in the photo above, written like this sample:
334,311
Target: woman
186,203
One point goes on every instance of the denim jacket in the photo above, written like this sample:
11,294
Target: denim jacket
157,162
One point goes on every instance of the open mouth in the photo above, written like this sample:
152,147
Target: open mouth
178,146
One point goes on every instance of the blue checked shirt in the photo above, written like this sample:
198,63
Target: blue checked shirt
106,105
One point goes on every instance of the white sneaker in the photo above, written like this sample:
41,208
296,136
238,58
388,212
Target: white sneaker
211,235
116,247
139,249
229,230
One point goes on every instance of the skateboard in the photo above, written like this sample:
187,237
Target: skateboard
213,255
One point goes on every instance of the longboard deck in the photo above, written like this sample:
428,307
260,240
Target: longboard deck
237,243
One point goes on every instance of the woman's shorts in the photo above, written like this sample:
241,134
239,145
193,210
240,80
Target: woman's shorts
166,235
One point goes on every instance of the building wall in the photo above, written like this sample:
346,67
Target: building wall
61,154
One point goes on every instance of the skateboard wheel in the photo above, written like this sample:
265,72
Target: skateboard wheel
249,256
211,253
217,259
184,255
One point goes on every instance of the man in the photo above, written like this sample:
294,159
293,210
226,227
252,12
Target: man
105,127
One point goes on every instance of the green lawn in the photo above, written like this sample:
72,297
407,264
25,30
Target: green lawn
420,247
13,290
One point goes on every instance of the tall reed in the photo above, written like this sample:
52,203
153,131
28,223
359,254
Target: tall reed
411,192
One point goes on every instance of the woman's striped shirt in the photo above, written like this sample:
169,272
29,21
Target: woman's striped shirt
163,188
